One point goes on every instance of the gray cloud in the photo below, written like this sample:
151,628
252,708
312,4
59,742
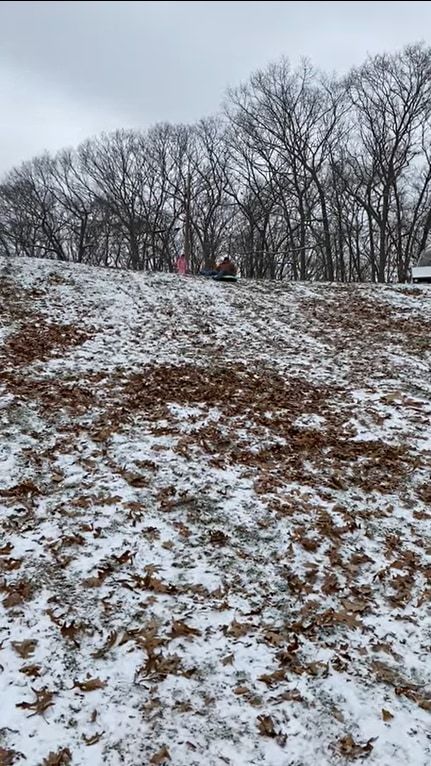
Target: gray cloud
70,69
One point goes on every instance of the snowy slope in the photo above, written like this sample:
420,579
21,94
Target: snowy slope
215,521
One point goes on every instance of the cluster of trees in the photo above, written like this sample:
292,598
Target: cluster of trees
301,177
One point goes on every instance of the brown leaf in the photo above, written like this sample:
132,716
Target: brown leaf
180,628
135,480
265,724
386,715
93,582
152,583
33,671
160,757
24,648
4,551
218,537
240,690
62,758
42,702
318,669
342,617
92,738
168,544
337,714
183,707
293,695
18,592
388,675
340,664
9,757
90,685
160,666
310,544
8,564
238,629
350,749
330,584
273,678
352,605
22,490
124,558
274,638
294,645
146,638
70,631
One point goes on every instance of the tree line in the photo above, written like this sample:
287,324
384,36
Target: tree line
302,176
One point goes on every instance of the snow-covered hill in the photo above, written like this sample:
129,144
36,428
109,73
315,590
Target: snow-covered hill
215,521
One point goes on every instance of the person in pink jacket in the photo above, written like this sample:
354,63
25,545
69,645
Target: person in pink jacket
181,265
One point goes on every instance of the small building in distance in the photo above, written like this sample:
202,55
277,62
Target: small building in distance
422,271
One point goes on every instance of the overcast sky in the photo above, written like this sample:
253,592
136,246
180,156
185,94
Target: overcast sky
69,70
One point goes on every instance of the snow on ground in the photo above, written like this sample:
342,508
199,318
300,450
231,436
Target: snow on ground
215,521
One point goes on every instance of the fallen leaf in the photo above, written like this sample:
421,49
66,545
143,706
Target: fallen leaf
4,551
62,758
125,557
355,606
24,648
168,545
228,660
350,749
90,685
292,695
9,757
238,629
135,480
294,645
179,628
337,714
240,690
218,537
183,707
93,582
23,490
42,702
159,665
70,631
274,638
265,724
92,738
18,592
33,671
386,715
152,583
9,564
160,757
273,678
317,669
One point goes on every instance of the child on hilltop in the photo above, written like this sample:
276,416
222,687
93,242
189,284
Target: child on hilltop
181,265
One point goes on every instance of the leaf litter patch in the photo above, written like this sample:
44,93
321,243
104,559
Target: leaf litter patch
202,562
